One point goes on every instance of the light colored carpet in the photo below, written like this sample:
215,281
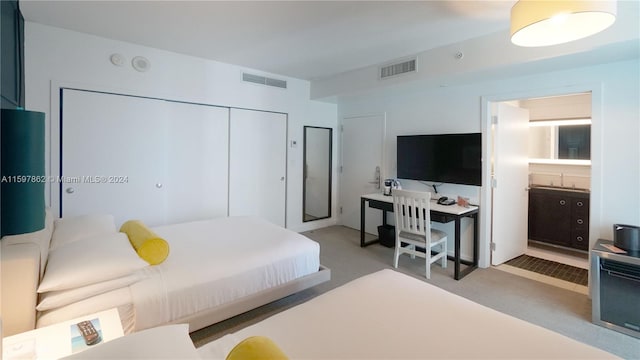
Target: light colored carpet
560,310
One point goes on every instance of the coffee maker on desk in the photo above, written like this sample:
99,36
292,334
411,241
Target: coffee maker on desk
390,185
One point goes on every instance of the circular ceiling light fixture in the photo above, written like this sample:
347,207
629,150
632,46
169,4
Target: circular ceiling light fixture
544,22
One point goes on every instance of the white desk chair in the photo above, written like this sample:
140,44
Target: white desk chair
413,229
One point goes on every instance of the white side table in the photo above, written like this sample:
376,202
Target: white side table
60,340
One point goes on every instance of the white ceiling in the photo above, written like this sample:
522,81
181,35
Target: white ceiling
302,39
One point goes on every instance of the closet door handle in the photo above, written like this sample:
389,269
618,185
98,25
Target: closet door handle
580,221
579,203
563,202
579,238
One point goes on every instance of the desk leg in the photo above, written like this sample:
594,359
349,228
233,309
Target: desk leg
362,208
460,274
476,256
456,250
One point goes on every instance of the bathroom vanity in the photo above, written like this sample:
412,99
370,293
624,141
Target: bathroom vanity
559,216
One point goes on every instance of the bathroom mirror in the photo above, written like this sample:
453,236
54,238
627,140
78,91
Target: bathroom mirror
316,201
560,140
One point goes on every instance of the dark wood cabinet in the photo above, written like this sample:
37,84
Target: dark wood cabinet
559,217
580,221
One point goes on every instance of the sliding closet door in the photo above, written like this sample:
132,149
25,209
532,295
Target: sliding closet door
117,137
258,164
162,162
196,162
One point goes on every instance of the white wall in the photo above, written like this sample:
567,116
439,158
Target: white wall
56,57
459,109
427,112
577,176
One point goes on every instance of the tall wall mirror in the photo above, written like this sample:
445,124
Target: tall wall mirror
316,202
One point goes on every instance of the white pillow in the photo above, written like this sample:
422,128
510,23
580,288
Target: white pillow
67,230
56,299
90,261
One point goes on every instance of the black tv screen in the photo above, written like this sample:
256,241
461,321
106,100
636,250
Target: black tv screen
447,158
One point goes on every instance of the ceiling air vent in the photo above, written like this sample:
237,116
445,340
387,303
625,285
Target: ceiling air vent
398,68
263,80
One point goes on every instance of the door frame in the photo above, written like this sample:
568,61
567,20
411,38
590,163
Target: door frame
597,132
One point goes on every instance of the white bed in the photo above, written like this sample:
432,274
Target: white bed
216,269
388,315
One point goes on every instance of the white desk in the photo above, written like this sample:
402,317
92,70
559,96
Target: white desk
54,341
439,213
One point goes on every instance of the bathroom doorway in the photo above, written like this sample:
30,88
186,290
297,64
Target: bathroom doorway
558,191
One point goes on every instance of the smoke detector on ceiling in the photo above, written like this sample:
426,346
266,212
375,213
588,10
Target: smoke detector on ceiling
117,59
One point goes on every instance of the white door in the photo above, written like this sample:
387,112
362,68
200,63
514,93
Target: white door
196,162
162,161
106,135
510,196
362,168
258,164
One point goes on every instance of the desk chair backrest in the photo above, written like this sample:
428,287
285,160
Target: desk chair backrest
412,211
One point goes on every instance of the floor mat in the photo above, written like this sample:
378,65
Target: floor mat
553,269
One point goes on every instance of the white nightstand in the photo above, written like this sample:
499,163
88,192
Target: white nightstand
58,340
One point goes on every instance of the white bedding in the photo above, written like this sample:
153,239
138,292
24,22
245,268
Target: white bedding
120,299
211,262
388,315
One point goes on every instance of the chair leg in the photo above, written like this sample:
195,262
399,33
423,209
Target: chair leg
444,258
428,269
396,254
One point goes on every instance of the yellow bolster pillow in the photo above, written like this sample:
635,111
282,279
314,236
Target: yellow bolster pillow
256,348
149,246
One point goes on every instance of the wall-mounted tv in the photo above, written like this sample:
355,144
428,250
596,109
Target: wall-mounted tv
445,158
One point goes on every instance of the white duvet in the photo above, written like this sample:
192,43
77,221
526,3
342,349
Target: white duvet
211,262
389,315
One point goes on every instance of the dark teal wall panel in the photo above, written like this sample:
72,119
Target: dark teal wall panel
22,171
11,55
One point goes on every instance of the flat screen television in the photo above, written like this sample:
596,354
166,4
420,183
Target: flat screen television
445,158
